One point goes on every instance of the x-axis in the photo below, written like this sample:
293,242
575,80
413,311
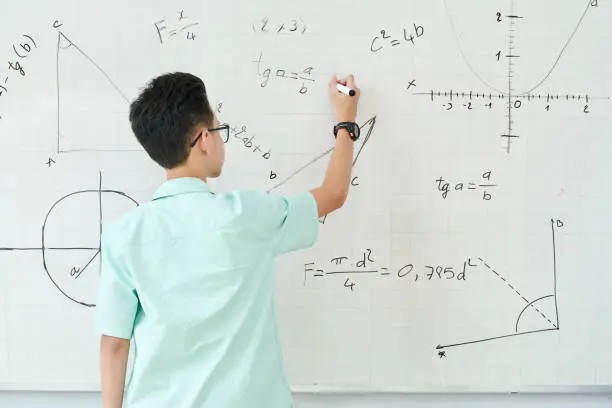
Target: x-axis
433,94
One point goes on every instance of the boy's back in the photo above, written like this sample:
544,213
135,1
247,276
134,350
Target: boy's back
191,273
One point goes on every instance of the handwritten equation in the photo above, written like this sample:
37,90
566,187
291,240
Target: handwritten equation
350,269
180,27
267,26
387,40
304,77
445,187
248,141
16,62
241,134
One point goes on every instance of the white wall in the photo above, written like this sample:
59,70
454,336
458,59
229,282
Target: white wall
92,400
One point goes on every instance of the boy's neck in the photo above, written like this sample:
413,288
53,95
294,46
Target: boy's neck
185,171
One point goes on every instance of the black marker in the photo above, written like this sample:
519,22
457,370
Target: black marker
345,89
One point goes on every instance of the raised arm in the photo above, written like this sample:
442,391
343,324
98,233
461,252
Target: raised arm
333,192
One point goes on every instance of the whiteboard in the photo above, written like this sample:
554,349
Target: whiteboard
472,253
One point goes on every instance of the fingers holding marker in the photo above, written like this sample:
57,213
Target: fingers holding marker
345,89
353,85
347,86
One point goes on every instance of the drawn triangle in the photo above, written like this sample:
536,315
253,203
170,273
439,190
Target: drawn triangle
92,111
366,133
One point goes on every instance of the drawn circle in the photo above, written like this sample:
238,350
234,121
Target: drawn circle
71,236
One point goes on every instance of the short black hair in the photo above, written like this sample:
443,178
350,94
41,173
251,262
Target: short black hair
165,113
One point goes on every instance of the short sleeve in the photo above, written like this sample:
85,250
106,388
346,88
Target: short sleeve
295,220
117,300
292,221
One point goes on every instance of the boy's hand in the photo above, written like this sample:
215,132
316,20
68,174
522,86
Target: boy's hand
345,107
333,192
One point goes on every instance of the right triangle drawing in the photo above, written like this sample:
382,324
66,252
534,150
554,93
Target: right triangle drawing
92,111
366,133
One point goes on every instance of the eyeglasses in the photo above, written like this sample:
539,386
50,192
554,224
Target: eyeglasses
225,134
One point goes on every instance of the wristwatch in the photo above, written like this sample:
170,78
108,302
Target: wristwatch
352,128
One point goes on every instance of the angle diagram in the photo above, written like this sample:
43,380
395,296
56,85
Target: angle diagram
544,309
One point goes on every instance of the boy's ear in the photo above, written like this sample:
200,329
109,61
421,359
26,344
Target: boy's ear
204,140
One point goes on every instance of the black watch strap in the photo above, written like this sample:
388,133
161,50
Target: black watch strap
352,128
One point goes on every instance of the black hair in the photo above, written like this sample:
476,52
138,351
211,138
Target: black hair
165,113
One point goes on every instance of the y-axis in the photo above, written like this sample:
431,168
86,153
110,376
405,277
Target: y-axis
510,57
554,245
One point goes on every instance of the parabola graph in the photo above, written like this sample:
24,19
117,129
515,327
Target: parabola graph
71,240
512,97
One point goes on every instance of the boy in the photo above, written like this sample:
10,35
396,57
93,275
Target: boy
190,273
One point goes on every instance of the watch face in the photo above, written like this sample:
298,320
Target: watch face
352,128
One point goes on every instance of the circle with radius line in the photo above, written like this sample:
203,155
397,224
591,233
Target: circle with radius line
71,235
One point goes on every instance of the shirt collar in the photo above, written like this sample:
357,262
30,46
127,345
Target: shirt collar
181,185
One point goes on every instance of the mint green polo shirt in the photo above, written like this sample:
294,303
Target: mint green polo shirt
189,275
